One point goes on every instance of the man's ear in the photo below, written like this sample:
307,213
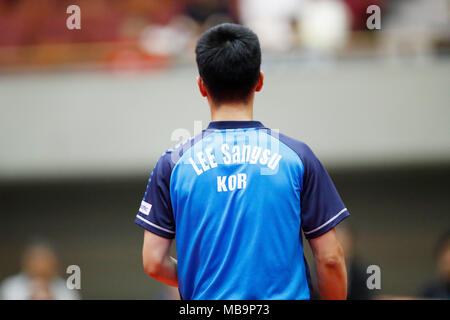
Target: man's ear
260,82
201,87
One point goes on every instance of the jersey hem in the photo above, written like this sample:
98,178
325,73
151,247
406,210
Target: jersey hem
153,229
338,219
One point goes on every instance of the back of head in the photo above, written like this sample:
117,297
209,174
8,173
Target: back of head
229,60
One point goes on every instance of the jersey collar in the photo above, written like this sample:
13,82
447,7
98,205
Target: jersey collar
235,124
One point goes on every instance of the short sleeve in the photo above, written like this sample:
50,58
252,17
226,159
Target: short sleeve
321,206
155,212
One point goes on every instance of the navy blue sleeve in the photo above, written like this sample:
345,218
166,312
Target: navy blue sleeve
321,206
155,213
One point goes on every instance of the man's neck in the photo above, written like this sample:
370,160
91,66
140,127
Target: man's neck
232,112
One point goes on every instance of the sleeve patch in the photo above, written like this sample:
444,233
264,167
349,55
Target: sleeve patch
145,208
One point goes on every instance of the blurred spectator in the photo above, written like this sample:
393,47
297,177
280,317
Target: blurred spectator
39,278
439,288
319,25
272,21
356,269
171,39
324,25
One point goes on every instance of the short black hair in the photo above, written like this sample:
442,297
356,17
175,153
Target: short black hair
229,59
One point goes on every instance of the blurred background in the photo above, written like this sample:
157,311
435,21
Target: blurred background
85,114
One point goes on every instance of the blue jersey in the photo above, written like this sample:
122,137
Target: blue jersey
237,197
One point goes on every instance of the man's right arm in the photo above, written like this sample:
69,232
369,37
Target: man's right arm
157,261
330,266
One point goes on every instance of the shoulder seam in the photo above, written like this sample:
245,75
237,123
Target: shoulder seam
296,153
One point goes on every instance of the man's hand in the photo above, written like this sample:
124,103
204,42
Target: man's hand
330,266
157,261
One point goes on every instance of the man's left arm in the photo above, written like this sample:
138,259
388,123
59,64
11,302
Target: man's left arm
322,209
330,266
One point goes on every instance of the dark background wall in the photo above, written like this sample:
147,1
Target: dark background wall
398,212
